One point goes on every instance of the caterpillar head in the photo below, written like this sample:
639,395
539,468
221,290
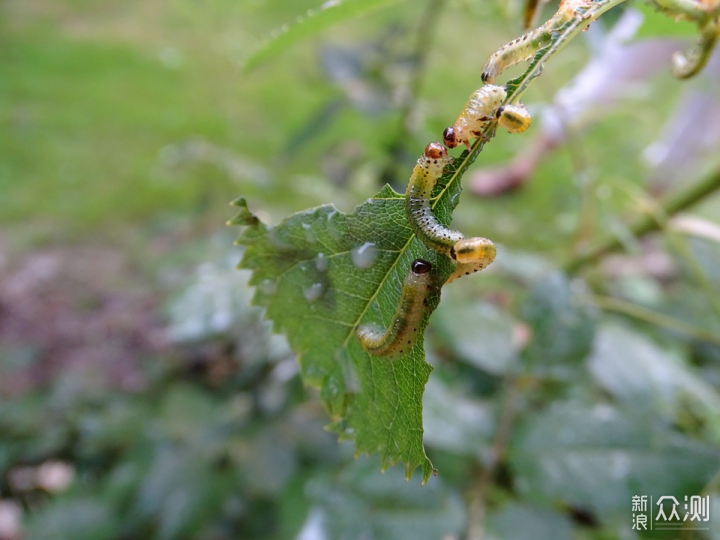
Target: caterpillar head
449,137
435,151
514,118
420,266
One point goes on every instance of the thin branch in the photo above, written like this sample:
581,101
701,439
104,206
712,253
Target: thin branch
670,206
653,317
498,453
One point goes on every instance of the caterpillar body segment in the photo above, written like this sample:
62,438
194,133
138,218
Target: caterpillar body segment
472,255
425,225
524,48
514,118
400,336
520,49
472,250
486,104
478,111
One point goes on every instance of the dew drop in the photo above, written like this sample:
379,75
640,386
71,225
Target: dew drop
314,292
364,256
268,286
321,262
310,235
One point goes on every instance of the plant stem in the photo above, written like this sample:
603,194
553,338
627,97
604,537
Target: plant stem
670,206
653,317
485,476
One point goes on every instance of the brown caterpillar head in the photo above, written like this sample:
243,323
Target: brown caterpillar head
435,150
449,137
420,266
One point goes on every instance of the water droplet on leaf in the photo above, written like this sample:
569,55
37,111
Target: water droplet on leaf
310,235
321,262
268,286
364,256
314,292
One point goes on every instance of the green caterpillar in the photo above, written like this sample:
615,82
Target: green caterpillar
484,105
526,46
400,336
470,254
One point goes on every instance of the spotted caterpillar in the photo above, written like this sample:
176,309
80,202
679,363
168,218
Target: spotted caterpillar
470,254
484,105
526,46
400,336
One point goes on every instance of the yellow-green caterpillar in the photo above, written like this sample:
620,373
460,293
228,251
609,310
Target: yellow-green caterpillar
526,46
484,105
470,254
400,336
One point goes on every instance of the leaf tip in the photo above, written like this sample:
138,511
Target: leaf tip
428,471
244,215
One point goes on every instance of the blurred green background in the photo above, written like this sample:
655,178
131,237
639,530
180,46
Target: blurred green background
140,395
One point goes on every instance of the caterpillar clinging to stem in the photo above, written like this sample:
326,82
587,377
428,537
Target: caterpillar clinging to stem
470,254
525,47
484,105
400,336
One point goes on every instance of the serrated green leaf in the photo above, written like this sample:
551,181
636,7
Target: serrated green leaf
598,457
320,273
315,20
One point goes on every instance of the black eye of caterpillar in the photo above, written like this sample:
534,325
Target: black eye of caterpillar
420,266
